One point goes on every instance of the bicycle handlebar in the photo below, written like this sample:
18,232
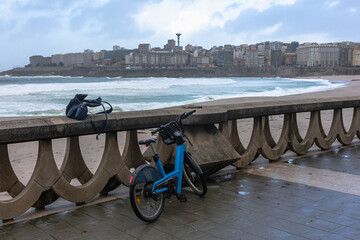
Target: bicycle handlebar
186,114
156,130
183,116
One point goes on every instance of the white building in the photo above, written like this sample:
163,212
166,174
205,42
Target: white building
57,59
318,55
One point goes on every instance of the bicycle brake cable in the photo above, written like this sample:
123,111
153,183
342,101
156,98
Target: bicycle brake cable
188,140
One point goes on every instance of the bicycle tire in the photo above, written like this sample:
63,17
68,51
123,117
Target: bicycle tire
195,181
146,207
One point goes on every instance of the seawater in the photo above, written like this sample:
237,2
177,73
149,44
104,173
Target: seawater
43,96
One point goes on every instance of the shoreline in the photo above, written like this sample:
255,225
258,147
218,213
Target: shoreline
351,88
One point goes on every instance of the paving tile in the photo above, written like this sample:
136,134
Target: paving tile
205,236
204,225
148,232
111,234
315,234
27,231
176,229
348,232
338,219
286,226
324,225
5,236
270,232
223,232
69,233
335,237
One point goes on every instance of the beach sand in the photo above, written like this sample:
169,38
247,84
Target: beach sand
23,155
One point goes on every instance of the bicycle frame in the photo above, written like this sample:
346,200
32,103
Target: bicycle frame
177,172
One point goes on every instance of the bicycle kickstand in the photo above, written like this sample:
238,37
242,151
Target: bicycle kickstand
181,197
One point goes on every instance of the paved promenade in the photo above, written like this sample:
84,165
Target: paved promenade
315,197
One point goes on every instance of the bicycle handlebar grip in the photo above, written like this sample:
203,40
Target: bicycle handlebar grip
155,131
186,114
191,112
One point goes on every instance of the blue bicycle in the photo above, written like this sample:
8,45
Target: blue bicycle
149,186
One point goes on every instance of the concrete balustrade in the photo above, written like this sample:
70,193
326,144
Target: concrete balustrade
213,147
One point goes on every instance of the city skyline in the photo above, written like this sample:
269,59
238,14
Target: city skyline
45,28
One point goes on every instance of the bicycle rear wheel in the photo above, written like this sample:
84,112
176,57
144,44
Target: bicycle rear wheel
195,180
147,206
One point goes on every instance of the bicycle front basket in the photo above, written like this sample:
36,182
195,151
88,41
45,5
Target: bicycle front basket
167,132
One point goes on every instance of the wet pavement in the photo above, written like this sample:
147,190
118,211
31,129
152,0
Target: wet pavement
239,205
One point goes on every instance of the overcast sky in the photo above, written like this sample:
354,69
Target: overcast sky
44,27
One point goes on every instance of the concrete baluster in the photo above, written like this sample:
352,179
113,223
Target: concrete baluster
132,154
269,148
44,176
74,165
251,152
322,140
343,136
297,143
106,170
9,182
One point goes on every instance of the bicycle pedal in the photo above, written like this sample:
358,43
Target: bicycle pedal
181,197
168,195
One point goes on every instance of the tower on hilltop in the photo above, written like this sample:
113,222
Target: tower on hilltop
178,36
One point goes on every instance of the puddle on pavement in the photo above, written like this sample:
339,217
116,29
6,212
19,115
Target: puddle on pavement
223,178
291,161
243,193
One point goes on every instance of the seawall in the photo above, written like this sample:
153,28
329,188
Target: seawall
283,71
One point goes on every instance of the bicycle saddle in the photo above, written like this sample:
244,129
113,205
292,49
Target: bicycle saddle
147,141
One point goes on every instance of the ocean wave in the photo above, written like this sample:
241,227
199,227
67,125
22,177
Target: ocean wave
103,86
279,91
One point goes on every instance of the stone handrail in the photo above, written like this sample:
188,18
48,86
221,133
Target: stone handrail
48,183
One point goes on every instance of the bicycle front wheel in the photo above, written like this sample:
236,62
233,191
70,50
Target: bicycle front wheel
195,181
146,205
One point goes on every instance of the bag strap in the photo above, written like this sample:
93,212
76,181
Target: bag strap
96,103
99,102
106,122
106,111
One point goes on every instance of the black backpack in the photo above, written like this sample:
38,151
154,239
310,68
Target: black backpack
78,109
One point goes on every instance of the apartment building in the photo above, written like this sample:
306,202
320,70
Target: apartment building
252,58
356,56
276,58
57,59
157,59
39,61
324,55
144,48
223,58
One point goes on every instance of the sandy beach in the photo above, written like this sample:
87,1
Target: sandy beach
23,155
